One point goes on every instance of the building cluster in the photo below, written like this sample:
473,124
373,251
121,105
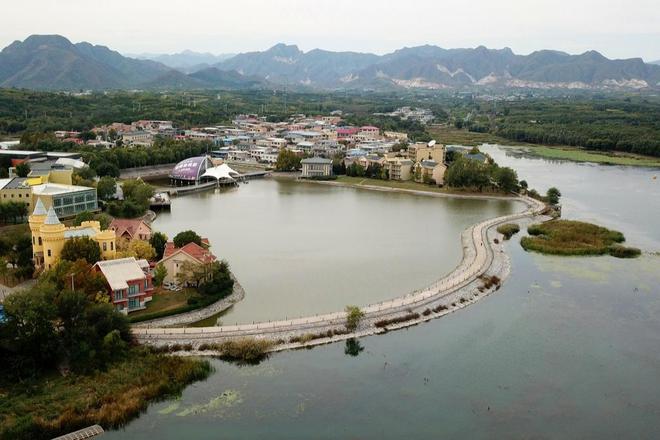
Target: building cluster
49,179
422,115
129,281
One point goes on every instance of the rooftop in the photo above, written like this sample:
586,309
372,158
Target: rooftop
118,272
56,188
82,232
317,161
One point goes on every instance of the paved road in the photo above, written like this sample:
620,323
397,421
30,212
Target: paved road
478,256
6,291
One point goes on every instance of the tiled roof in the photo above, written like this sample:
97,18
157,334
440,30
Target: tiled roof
122,225
193,249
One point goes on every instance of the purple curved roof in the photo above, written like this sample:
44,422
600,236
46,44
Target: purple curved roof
189,169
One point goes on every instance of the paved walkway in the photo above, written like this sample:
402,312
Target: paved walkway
6,291
457,289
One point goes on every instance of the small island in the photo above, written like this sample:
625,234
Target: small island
568,237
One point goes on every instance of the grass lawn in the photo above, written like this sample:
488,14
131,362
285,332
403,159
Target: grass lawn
55,405
408,185
165,300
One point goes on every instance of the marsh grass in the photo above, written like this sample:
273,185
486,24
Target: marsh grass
567,237
56,405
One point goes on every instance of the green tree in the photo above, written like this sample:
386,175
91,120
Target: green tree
287,161
506,178
108,169
353,317
106,187
83,216
553,195
81,248
158,241
23,169
160,272
183,238
103,219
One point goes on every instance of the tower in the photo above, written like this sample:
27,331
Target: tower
52,235
36,220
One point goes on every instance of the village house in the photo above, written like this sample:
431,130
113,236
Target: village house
174,258
129,283
131,229
399,168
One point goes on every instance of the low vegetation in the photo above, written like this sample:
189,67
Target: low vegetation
567,237
53,405
399,319
508,230
321,335
69,359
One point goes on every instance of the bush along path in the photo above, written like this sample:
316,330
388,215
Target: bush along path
481,271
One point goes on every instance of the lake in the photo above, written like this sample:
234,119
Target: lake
303,248
567,348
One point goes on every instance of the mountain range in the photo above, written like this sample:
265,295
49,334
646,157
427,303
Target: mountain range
52,62
187,61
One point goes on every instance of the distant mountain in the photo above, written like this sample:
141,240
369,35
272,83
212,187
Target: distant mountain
187,61
287,64
52,62
432,67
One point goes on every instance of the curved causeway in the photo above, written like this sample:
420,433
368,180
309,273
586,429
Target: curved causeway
483,255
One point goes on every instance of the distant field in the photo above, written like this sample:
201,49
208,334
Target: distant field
395,184
452,136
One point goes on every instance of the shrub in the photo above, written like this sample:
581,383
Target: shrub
353,317
619,251
246,349
404,318
508,230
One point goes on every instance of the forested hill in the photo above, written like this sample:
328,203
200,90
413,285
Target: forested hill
51,62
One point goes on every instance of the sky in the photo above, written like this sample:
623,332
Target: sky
616,28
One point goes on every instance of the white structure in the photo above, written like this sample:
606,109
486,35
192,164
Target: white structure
316,167
222,173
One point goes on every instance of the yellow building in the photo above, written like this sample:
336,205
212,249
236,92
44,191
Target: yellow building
421,151
49,236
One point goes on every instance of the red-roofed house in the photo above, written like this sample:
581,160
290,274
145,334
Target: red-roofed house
174,257
129,282
131,229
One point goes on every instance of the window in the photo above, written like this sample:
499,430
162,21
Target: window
105,246
112,245
39,241
132,289
146,284
49,252
118,295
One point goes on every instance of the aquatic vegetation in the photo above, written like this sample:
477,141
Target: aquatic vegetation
567,237
227,399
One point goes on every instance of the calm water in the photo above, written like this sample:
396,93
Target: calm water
568,348
301,249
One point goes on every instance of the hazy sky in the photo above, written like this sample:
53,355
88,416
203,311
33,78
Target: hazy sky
618,29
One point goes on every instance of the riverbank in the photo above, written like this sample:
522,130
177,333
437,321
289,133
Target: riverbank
453,136
54,405
194,316
483,258
407,188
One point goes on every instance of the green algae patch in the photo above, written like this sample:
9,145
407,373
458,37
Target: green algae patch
227,399
568,237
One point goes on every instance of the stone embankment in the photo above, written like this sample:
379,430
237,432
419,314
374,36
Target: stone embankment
196,315
483,259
